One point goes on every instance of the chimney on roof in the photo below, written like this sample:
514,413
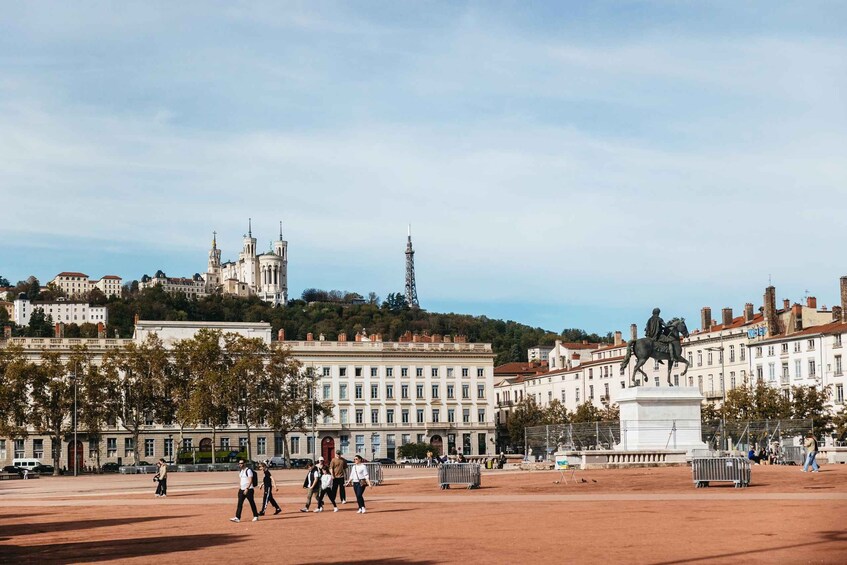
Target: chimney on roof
786,304
101,330
771,321
7,332
59,330
633,332
705,318
726,316
836,313
748,312
797,314
280,335
618,338
342,337
812,302
461,339
844,299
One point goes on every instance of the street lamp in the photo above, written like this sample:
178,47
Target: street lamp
75,450
724,438
314,432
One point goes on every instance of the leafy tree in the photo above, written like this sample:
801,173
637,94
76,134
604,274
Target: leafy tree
4,281
395,302
4,314
611,413
52,292
809,403
248,359
143,370
286,395
39,324
761,402
16,373
586,412
415,450
98,394
33,288
839,424
52,401
525,415
556,413
180,387
211,367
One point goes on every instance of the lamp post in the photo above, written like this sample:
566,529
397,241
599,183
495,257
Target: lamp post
75,450
314,432
724,437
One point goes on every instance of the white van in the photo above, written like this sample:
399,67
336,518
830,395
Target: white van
28,464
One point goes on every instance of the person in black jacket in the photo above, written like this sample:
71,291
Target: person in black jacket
312,483
268,486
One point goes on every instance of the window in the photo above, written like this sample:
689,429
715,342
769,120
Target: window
405,439
785,372
344,413
480,373
797,369
420,415
770,350
732,379
38,448
837,341
359,416
436,413
742,352
404,372
360,444
480,391
480,415
563,397
357,371
326,371
731,353
404,416
404,391
577,395
709,358
785,347
760,375
466,391
169,449
374,371
419,391
374,416
450,391
699,359
342,371
19,449
419,372
187,443
261,446
435,391
242,443
796,347
811,368
839,394
389,416
149,448
464,371
342,392
358,390
449,372
389,391
435,371
129,447
466,415
421,438
327,391
451,415
838,369
374,391
310,444
811,345
591,391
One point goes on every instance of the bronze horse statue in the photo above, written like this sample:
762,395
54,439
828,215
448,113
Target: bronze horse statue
668,349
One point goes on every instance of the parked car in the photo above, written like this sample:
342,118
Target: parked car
13,469
299,463
278,462
43,469
386,461
111,467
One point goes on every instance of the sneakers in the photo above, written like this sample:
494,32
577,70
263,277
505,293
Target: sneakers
304,510
235,520
343,502
262,513
360,511
278,510
364,510
335,509
255,519
318,510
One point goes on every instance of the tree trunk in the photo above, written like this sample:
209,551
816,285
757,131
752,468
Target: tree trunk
214,441
135,435
56,446
285,453
249,445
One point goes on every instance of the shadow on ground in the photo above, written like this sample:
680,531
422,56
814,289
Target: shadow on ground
107,550
22,529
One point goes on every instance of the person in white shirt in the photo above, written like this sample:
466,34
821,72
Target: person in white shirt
245,490
359,478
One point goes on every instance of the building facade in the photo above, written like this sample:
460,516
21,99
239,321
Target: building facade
78,285
61,311
384,394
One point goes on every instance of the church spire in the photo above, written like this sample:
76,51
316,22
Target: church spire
280,230
249,227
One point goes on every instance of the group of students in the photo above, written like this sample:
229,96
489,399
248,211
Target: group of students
321,481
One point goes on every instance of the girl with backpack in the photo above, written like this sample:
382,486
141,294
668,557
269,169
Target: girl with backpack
326,490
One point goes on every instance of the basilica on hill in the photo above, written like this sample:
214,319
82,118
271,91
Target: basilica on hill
253,274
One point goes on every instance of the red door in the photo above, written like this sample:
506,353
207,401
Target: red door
75,457
328,449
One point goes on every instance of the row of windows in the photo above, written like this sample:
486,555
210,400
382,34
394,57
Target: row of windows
389,391
404,372
785,373
405,415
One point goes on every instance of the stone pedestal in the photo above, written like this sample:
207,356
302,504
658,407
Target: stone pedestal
660,418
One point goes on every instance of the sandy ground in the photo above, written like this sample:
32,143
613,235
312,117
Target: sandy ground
613,516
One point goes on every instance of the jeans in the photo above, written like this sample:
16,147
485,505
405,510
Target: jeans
338,485
162,488
249,497
359,489
810,460
329,494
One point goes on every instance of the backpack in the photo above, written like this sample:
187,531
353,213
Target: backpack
255,477
326,481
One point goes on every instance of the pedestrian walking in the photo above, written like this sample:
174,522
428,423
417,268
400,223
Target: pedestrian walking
162,478
246,481
312,484
337,468
326,490
268,487
360,480
811,445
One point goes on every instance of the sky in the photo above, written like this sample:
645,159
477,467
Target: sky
561,164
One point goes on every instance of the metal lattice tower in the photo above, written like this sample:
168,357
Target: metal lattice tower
411,289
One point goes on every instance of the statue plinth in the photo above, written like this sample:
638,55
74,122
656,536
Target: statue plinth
660,418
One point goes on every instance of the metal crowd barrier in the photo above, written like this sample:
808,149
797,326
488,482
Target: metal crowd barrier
468,474
735,470
792,455
374,473
137,469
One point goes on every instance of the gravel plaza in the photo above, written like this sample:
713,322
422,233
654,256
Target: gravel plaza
650,515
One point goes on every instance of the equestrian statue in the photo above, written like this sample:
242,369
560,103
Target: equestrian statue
662,343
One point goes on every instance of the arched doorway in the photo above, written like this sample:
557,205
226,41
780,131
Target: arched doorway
437,444
75,457
328,449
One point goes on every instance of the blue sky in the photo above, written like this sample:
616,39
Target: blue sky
563,164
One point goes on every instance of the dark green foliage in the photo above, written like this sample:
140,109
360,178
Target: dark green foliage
415,450
393,318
